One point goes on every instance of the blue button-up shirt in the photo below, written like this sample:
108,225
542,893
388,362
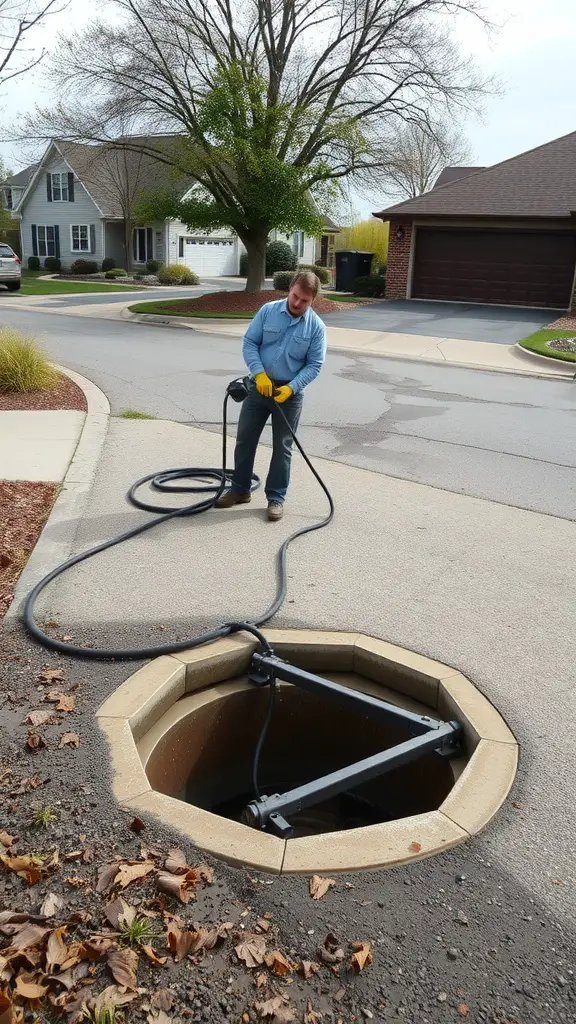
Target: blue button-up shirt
285,347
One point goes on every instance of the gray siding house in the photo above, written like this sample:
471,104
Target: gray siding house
76,201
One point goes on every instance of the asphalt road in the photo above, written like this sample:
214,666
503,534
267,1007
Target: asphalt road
495,436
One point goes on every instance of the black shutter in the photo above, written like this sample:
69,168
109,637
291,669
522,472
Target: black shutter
56,241
49,187
92,238
180,247
149,244
70,187
34,240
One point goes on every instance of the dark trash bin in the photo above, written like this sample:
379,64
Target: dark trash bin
350,264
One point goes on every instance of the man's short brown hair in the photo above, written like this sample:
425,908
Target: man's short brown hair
308,280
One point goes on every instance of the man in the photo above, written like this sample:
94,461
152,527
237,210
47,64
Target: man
284,349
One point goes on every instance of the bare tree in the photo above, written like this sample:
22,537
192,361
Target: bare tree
418,155
120,176
271,100
18,19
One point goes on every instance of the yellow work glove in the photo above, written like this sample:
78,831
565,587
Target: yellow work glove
283,394
264,384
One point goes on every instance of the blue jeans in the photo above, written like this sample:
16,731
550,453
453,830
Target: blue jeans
253,416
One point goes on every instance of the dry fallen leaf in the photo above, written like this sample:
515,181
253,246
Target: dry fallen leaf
311,1016
158,961
128,872
179,942
51,905
261,980
6,840
24,936
278,963
159,1017
174,885
26,867
251,950
106,875
277,1009
309,968
463,1010
415,847
113,996
176,862
56,951
119,912
52,675
28,986
330,952
361,957
162,1000
37,718
137,825
69,739
206,937
123,964
35,741
63,701
319,886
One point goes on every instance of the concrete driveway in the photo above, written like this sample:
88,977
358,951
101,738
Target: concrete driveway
468,322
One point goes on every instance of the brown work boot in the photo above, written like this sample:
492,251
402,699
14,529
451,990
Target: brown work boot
232,498
275,511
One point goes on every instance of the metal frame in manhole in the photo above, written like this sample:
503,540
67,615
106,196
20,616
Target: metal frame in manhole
140,715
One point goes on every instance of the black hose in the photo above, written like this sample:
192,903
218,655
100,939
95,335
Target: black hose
159,481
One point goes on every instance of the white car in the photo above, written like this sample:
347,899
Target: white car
10,268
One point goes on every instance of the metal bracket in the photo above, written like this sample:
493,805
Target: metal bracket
428,734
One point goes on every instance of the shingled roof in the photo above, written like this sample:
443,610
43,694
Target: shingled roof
539,183
22,178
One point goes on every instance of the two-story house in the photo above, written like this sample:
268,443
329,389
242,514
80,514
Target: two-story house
77,201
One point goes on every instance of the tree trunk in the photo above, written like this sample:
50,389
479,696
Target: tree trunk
128,229
255,243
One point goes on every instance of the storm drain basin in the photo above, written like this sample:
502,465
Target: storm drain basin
183,731
214,734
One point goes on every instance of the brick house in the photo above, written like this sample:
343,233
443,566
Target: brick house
501,235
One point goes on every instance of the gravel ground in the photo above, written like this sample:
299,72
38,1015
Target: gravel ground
66,395
24,508
452,938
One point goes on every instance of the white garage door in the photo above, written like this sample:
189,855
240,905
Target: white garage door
210,257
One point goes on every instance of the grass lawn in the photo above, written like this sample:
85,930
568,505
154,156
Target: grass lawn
169,307
537,343
31,285
337,297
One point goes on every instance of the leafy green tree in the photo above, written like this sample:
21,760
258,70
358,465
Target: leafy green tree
259,105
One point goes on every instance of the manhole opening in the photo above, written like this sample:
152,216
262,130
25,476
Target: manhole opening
206,759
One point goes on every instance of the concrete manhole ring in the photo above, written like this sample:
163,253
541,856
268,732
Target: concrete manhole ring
184,719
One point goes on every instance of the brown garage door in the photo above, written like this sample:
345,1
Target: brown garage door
522,268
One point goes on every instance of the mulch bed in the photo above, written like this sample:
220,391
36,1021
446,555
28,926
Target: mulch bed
66,395
246,302
565,323
24,508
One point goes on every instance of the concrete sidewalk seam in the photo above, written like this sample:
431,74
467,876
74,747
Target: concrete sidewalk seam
69,507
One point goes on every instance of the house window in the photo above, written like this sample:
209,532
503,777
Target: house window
143,245
8,200
60,187
80,234
46,240
298,243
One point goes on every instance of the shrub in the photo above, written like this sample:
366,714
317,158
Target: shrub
279,256
176,273
115,272
243,264
84,267
283,280
380,270
33,263
371,286
52,263
153,266
23,367
321,272
108,264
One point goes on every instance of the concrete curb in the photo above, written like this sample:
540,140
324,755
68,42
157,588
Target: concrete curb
55,542
538,357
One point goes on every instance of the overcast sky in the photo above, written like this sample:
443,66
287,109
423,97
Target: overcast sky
533,55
